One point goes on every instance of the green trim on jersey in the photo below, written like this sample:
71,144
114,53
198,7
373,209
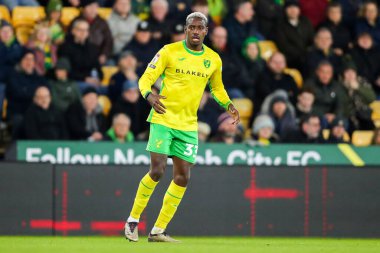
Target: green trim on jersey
191,51
225,106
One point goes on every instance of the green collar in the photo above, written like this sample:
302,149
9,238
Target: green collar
191,51
128,138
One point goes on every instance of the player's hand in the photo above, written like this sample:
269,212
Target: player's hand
234,114
154,101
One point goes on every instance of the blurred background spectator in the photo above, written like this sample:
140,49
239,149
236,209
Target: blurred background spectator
309,131
227,133
53,19
263,131
120,129
337,131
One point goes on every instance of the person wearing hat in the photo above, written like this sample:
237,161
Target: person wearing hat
143,46
131,104
85,120
294,34
227,132
127,65
357,95
43,121
123,25
204,131
263,130
177,33
53,18
337,131
366,55
63,90
99,33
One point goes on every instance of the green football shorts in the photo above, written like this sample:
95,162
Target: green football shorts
172,142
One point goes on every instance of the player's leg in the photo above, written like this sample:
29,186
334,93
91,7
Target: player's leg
184,155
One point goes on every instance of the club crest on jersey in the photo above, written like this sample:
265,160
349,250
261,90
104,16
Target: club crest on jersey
207,63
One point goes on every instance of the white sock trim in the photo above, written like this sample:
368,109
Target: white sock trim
130,219
156,230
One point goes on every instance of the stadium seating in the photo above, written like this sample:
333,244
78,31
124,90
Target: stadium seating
362,138
326,135
296,76
68,14
27,16
267,48
376,112
4,14
105,103
245,108
108,72
105,12
23,33
4,112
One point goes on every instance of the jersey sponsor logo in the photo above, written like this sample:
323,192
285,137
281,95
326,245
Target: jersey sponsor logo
152,66
207,63
182,59
191,72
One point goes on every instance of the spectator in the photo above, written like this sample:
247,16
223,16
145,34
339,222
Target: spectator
178,32
204,131
240,25
305,102
376,137
99,32
11,4
322,51
263,130
10,54
123,24
53,12
337,131
268,15
84,118
120,129
143,46
43,121
294,35
127,72
234,75
76,48
357,96
132,104
209,111
278,107
273,78
63,90
21,85
314,10
369,22
341,34
141,8
159,21
44,50
366,57
309,132
328,93
202,6
228,133
254,64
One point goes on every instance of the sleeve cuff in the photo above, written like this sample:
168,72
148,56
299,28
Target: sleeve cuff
146,94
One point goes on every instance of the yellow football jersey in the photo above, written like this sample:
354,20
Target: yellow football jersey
185,74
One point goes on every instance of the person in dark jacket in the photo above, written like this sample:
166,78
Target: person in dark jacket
133,105
340,31
84,118
63,90
82,54
328,93
143,46
370,21
43,121
337,131
305,102
294,34
273,78
99,33
21,85
159,21
240,25
309,131
127,71
268,13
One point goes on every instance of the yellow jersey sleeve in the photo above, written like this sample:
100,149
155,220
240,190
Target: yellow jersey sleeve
154,69
217,88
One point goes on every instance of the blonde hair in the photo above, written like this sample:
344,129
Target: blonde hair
197,14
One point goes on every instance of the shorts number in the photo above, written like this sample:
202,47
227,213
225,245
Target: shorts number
191,150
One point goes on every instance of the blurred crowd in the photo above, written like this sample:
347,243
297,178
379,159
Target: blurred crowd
52,83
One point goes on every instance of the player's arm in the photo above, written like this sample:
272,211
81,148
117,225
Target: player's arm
220,94
155,68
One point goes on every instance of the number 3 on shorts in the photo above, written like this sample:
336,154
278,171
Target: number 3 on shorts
191,150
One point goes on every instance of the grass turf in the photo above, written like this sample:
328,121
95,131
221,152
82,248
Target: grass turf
19,244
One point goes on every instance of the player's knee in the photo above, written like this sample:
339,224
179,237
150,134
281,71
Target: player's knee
157,170
182,179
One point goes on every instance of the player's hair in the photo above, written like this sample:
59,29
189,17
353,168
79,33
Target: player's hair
197,14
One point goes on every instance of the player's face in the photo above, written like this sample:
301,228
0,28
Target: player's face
196,32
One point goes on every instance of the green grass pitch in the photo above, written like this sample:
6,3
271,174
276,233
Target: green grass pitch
19,244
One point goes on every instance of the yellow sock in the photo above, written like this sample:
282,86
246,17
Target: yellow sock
145,190
172,198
